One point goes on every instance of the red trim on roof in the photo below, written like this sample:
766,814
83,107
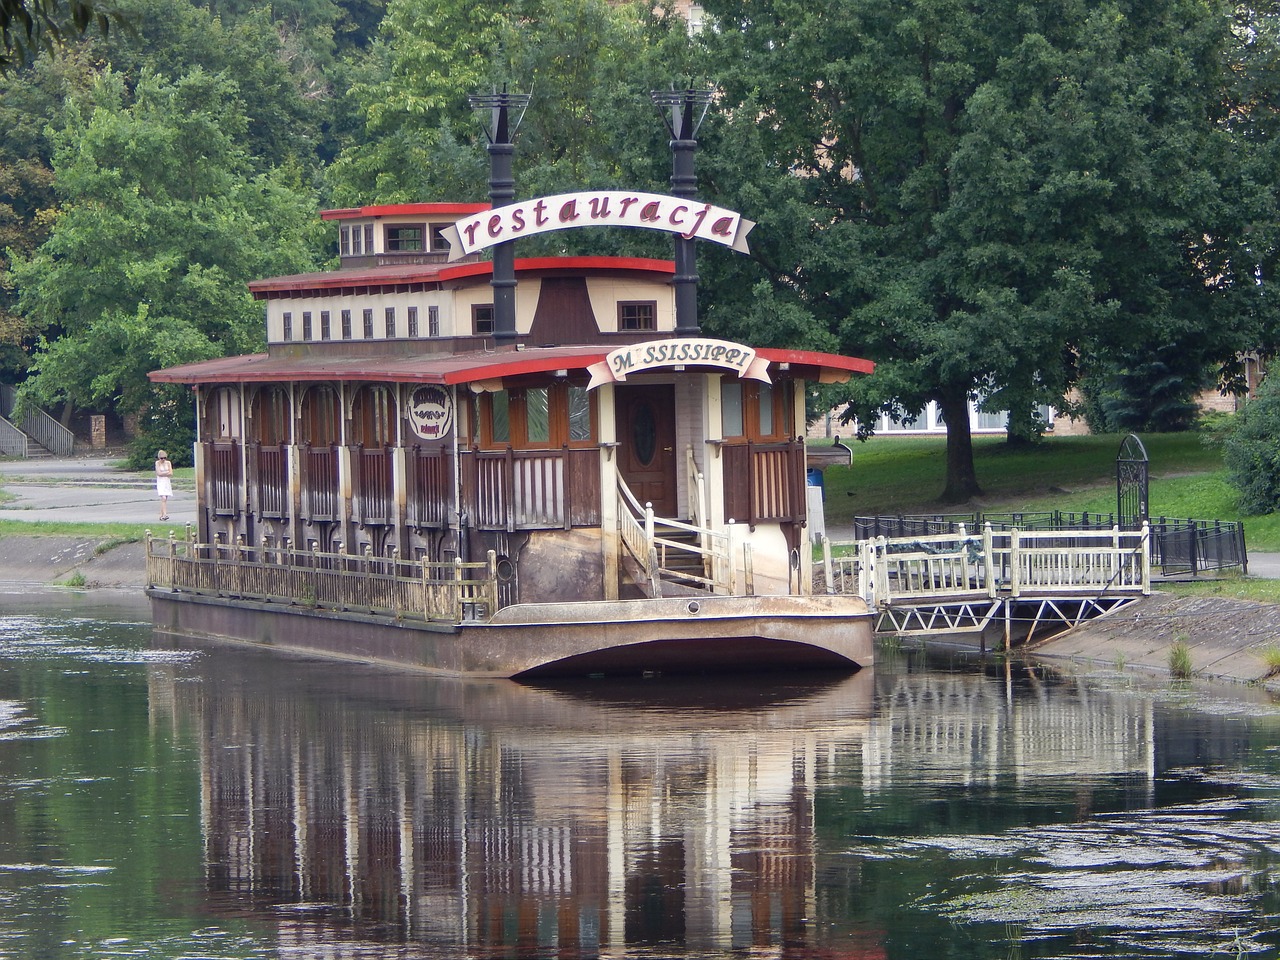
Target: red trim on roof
406,209
443,368
483,268
442,272
812,358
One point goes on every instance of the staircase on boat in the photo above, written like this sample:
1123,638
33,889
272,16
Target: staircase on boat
670,557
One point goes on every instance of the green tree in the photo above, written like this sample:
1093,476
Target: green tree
161,224
588,65
27,26
1251,452
978,197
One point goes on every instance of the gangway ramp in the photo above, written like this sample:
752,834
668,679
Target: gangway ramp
1021,580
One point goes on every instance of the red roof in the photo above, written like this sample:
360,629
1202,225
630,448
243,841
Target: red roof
447,368
442,273
406,209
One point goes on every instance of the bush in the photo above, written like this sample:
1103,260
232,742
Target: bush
1251,451
168,425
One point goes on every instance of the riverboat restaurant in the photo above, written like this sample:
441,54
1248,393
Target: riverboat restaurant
588,450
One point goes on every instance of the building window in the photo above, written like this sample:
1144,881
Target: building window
288,325
752,411
306,324
403,238
482,319
326,325
537,417
391,322
638,315
344,242
368,324
356,247
413,322
438,243
433,321
368,238
346,324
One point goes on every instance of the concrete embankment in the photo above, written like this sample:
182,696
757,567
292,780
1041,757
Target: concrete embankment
1225,638
49,560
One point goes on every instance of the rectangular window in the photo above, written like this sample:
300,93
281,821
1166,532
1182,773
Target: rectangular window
326,326
765,399
753,411
368,238
288,325
482,319
356,248
344,241
500,421
637,315
537,415
433,321
438,243
368,324
579,415
403,239
731,408
306,324
346,324
413,321
391,322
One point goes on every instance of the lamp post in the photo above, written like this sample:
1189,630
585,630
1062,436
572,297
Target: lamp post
682,112
500,131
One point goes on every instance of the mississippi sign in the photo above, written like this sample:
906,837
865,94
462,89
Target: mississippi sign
624,361
602,208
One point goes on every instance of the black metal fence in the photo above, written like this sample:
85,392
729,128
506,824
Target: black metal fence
1178,547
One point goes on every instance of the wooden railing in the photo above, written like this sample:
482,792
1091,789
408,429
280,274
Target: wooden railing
320,483
430,487
270,487
222,477
372,487
533,489
1010,563
657,542
450,591
775,482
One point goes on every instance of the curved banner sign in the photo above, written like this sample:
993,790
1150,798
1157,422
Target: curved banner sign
692,352
601,208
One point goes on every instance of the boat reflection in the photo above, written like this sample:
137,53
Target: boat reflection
477,818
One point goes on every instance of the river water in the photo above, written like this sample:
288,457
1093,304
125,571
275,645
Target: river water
170,802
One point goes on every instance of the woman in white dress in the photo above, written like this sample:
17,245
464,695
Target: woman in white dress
164,482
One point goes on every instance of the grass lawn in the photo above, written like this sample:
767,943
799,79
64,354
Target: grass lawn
904,475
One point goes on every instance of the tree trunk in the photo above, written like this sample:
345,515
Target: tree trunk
962,479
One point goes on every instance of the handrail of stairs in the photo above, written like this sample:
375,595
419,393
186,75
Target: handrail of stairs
635,530
37,424
13,442
639,530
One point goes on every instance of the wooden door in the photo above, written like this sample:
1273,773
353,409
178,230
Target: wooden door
647,444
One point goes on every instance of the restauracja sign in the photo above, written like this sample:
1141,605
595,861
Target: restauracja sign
603,208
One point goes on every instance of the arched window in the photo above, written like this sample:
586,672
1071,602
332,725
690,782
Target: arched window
269,413
321,418
222,414
373,416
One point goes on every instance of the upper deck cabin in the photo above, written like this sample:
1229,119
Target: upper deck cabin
385,417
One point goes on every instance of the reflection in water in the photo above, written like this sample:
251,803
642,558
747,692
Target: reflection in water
496,816
218,803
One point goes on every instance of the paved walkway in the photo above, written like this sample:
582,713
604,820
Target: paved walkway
95,490
88,490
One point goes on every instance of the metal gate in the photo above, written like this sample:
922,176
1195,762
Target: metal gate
1132,475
